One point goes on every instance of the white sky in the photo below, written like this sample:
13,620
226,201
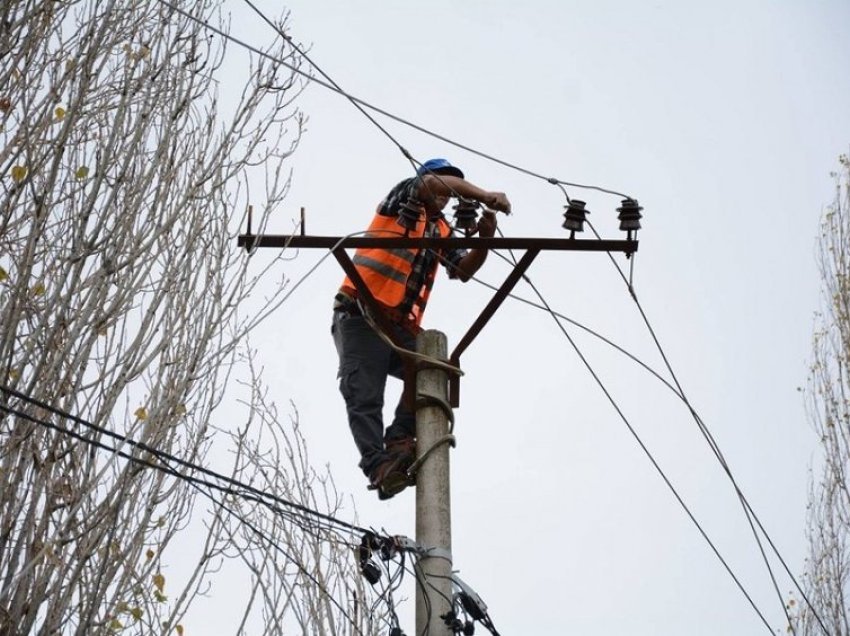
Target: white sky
724,120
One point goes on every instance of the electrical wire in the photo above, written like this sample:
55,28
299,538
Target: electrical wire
206,487
679,392
275,545
631,429
330,85
715,448
199,484
360,104
750,514
233,486
653,461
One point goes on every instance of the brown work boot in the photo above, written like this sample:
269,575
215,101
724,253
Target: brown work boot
403,447
389,478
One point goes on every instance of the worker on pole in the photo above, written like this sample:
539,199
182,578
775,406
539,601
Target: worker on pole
401,281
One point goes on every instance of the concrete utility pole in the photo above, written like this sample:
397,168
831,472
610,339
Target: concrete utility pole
433,501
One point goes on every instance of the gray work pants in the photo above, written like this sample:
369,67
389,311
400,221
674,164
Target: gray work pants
365,361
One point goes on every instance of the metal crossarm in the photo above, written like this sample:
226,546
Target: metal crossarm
532,247
250,241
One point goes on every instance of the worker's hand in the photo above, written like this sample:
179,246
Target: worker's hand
487,224
497,201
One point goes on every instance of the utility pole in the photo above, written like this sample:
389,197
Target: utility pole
433,501
436,394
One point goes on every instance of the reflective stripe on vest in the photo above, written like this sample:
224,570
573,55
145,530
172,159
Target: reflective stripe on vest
385,271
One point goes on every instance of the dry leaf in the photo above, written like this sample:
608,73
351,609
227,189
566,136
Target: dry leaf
19,173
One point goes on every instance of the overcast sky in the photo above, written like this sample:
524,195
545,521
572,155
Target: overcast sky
724,120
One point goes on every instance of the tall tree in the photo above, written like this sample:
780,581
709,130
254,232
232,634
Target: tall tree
827,579
126,154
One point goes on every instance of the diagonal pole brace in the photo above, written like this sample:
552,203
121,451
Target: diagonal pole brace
377,312
484,318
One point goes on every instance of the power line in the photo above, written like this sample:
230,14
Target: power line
233,486
360,102
200,485
750,513
637,438
652,460
713,445
677,390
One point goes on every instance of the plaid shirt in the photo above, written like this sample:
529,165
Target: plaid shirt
425,261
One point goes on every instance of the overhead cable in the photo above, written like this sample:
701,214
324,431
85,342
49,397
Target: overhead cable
649,455
715,448
332,87
233,486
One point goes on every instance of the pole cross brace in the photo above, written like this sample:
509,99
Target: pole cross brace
338,245
502,293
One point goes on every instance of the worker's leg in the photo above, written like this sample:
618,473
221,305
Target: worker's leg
364,361
404,422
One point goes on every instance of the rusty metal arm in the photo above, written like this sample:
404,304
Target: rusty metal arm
377,312
250,241
484,318
533,247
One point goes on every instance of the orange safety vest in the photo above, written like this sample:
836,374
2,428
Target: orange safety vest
385,271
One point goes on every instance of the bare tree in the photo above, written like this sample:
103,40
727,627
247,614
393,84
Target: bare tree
827,578
126,154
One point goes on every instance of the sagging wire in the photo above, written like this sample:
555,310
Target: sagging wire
749,513
330,85
646,451
463,602
415,355
666,383
373,551
203,486
297,513
629,216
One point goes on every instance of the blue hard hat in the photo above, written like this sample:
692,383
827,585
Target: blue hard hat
439,166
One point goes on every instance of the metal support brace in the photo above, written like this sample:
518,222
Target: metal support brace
489,310
365,296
